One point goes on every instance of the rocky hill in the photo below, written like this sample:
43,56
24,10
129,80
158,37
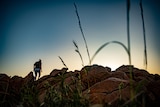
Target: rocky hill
94,86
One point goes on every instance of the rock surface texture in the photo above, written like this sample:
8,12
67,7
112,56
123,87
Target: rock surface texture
127,86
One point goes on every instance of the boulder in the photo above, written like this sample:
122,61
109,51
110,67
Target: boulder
10,90
156,77
48,81
55,72
4,82
16,84
4,77
137,74
125,68
154,89
29,79
93,74
4,88
72,82
108,91
43,84
120,74
74,74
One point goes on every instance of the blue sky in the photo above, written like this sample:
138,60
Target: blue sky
44,29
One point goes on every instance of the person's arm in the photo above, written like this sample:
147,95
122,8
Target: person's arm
40,65
41,68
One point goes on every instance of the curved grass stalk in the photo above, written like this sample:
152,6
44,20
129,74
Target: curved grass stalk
127,49
107,43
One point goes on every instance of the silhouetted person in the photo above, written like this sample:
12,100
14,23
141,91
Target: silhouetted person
37,69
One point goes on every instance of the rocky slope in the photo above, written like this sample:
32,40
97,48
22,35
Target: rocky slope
96,86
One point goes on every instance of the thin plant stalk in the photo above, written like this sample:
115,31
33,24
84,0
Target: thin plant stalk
128,31
129,49
62,61
80,26
77,50
144,35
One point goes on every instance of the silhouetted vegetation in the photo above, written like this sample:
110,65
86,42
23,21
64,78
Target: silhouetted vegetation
64,95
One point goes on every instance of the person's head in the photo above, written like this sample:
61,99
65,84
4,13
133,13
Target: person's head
39,60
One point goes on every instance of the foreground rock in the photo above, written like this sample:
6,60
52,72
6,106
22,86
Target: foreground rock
127,86
93,74
10,89
124,84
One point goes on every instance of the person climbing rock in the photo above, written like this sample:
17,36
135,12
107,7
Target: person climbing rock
37,69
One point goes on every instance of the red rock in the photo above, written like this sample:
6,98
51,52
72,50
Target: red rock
45,77
55,80
16,84
41,96
55,72
154,88
107,91
74,74
4,82
156,77
44,83
14,90
108,85
93,74
119,74
4,88
98,83
124,68
29,79
72,82
4,77
137,74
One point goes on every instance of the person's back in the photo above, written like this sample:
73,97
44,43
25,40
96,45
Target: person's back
37,68
37,64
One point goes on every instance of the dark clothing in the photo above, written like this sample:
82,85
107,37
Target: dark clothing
37,64
37,68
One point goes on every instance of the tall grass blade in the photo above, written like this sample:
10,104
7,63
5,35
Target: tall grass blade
144,35
107,43
62,61
129,49
128,31
79,21
77,50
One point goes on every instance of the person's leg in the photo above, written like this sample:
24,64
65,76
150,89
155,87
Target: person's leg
35,75
39,74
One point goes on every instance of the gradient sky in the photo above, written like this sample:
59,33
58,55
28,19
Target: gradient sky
44,29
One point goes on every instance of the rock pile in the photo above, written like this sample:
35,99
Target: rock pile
126,86
10,89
